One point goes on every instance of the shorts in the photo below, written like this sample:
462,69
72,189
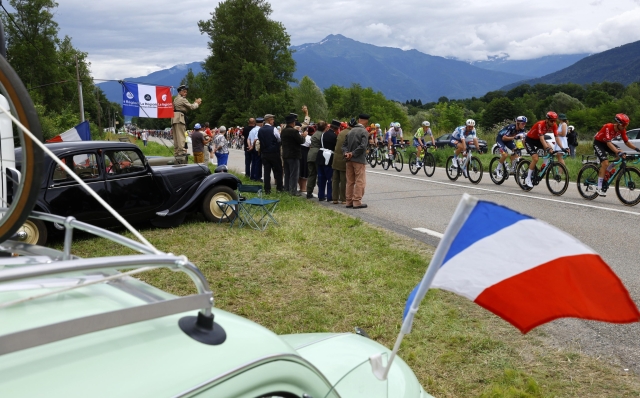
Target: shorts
602,150
454,143
532,145
507,147
416,143
394,140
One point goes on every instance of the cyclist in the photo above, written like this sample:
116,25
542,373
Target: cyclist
392,135
603,146
459,140
418,140
535,140
506,141
379,133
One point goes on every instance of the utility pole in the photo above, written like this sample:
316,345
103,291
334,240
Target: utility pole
80,91
99,117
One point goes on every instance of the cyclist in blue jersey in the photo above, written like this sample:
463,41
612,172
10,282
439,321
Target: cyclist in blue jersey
459,139
506,141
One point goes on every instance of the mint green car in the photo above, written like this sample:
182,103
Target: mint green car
100,332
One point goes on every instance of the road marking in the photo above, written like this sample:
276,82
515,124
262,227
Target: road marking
506,193
429,232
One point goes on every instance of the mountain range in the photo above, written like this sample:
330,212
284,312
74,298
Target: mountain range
409,74
619,64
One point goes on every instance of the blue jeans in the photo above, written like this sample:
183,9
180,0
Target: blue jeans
325,175
222,158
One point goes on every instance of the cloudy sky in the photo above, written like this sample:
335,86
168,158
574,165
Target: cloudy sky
130,38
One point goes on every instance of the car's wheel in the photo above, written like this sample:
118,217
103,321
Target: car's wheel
33,232
210,208
496,150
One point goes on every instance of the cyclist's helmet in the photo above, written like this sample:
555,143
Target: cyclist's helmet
397,125
377,125
622,119
552,115
471,122
570,128
521,119
426,124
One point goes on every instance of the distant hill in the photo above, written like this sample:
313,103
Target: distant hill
533,68
165,77
620,64
399,74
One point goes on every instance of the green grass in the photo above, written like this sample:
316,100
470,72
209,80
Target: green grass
323,271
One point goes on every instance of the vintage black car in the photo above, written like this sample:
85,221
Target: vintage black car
122,176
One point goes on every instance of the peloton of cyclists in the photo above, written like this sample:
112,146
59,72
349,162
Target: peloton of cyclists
459,140
603,146
418,140
535,140
506,141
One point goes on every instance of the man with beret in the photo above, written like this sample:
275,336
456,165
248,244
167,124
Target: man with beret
291,140
354,148
324,159
199,140
270,153
179,122
256,161
339,165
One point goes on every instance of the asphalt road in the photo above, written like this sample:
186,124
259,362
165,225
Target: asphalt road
420,207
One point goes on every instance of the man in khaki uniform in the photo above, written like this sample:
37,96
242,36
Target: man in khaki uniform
179,122
339,166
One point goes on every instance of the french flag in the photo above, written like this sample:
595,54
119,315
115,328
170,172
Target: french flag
142,100
81,132
522,269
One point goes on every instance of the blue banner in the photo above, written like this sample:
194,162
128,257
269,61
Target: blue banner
130,100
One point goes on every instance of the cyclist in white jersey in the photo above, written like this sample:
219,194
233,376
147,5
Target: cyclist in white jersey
459,139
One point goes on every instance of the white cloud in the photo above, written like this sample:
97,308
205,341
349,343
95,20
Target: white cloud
131,38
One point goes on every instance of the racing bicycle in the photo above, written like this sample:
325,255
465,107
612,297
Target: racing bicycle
394,158
554,172
626,178
469,166
427,159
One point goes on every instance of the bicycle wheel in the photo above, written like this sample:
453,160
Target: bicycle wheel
19,194
399,163
452,173
588,181
628,186
557,178
493,171
474,170
429,164
371,158
522,169
413,164
386,162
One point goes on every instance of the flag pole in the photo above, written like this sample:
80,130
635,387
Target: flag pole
466,204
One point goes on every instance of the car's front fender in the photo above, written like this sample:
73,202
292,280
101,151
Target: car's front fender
192,198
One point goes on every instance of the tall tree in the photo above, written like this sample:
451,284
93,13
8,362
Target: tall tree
309,94
250,63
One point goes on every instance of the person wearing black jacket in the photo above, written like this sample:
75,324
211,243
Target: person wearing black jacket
324,159
291,154
270,153
247,153
572,139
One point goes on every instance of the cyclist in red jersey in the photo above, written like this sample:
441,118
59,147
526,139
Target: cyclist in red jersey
535,140
603,146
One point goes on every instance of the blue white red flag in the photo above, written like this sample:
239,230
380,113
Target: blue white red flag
79,133
141,100
523,270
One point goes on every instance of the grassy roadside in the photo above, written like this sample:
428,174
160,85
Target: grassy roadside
321,270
